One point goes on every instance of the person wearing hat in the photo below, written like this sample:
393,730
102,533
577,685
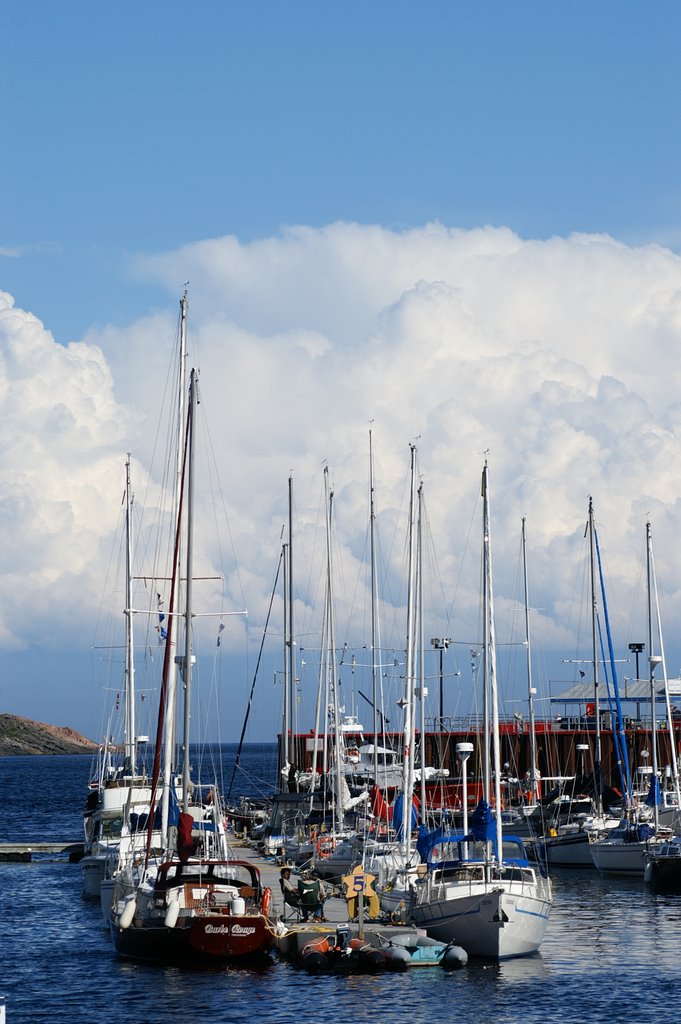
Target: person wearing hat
290,890
294,897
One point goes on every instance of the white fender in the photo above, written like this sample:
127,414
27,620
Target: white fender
172,914
127,914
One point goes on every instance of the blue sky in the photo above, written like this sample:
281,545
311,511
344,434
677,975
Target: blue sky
139,127
461,220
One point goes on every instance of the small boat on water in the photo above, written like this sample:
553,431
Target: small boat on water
196,911
662,865
621,850
342,954
414,949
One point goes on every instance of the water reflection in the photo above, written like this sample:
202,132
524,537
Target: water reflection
610,952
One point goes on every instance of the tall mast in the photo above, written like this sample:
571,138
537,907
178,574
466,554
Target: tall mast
285,717
491,656
594,657
130,726
408,700
375,643
171,697
320,703
422,676
486,722
338,729
530,688
653,661
291,633
188,659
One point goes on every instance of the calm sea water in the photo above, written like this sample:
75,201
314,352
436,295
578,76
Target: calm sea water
611,952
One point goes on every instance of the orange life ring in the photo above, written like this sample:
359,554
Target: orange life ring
324,846
267,901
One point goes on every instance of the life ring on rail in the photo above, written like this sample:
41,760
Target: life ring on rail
324,846
267,901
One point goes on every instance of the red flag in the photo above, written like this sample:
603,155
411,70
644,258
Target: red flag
378,804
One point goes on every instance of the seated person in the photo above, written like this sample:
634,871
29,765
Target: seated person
312,896
307,895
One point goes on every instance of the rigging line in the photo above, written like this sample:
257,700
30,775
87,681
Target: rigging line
620,736
255,675
166,665
216,483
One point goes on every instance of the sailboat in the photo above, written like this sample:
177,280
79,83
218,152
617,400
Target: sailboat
198,904
567,841
628,849
394,858
662,861
623,850
120,790
479,889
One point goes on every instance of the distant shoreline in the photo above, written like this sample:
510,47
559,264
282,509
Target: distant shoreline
22,736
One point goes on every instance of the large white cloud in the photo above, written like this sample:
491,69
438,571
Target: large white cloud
62,433
558,357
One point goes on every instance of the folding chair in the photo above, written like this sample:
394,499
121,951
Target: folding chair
310,897
291,903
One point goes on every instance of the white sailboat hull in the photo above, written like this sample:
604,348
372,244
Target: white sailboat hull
619,858
493,920
572,850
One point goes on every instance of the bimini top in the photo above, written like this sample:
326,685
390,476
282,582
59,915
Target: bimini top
454,850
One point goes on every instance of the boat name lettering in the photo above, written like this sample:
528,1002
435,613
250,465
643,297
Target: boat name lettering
223,929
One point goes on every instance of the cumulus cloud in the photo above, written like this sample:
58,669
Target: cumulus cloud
557,357
62,432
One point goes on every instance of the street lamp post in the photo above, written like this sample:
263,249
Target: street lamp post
463,752
441,644
637,649
582,749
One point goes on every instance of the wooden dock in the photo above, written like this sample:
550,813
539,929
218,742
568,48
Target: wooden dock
24,852
296,934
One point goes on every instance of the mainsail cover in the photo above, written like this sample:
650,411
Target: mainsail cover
654,798
397,818
483,825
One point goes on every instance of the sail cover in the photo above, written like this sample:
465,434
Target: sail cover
427,840
397,815
186,846
482,823
654,798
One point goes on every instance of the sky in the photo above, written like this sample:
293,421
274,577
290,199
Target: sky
459,223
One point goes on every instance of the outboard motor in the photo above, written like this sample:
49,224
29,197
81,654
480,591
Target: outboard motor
342,937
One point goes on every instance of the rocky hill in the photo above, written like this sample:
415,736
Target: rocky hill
22,736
